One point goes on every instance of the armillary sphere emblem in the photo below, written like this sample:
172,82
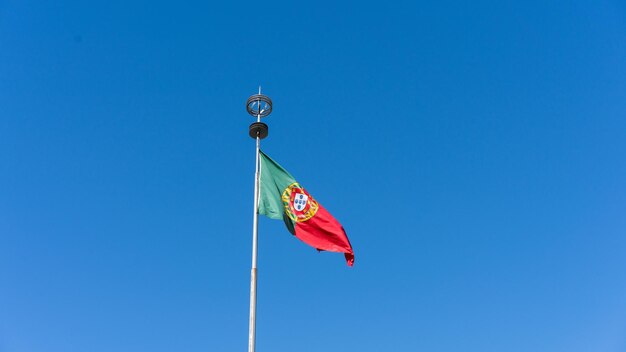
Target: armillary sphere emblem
259,105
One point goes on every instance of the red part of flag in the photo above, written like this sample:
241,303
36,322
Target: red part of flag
325,233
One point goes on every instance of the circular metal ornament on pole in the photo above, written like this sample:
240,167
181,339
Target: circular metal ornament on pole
259,106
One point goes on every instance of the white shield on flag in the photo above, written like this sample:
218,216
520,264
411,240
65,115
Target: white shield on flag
299,201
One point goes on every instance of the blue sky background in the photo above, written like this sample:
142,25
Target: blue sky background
474,151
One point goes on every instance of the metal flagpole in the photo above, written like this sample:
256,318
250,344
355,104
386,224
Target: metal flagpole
259,106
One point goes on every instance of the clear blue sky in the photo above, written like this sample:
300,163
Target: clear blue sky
474,151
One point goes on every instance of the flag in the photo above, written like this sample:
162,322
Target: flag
282,197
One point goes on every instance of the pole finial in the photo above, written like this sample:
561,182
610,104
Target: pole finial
259,105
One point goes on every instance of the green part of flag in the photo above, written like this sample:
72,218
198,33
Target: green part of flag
274,181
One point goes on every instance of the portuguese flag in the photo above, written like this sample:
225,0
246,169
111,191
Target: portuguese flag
281,197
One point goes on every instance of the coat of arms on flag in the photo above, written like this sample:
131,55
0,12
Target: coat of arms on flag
298,203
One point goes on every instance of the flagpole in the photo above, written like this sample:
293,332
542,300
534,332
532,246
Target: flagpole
258,105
